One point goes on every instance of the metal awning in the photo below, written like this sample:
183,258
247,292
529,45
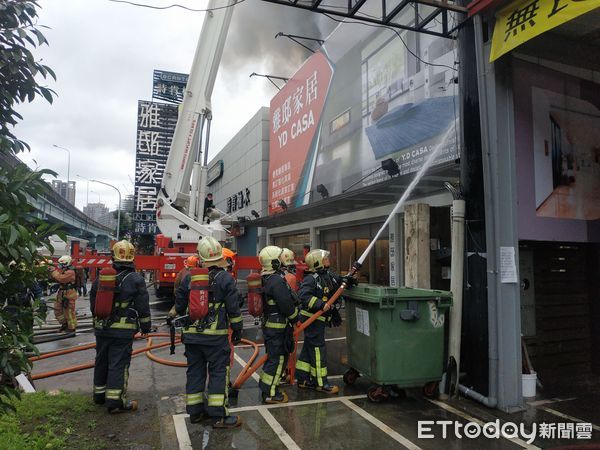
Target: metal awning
387,192
389,13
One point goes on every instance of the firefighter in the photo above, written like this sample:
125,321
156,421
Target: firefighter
64,305
206,341
318,286
280,316
229,256
189,263
288,266
114,335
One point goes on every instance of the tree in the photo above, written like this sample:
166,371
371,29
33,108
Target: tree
20,233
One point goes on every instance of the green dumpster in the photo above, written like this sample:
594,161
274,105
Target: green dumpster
395,336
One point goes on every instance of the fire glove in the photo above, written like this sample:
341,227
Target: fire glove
236,337
336,318
350,281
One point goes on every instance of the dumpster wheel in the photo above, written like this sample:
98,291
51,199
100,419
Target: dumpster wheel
351,376
431,389
378,394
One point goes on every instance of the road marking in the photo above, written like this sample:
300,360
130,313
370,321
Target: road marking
183,437
278,429
547,402
243,364
481,423
566,416
379,424
298,403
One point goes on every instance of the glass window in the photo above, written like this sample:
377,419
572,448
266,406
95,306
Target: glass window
294,242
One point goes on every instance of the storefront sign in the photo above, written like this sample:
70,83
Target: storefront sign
238,201
331,133
525,19
156,125
214,172
169,86
295,117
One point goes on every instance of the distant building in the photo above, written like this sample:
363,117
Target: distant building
95,210
66,189
128,203
108,219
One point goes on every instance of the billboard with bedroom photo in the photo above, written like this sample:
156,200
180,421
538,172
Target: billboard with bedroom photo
375,97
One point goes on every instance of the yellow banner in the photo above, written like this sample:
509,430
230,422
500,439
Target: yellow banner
523,20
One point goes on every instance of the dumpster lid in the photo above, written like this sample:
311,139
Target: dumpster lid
373,293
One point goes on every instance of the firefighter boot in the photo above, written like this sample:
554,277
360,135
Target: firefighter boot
328,389
280,397
128,406
228,422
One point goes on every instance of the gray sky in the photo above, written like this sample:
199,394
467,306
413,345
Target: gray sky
104,53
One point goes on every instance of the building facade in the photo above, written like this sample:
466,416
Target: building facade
66,189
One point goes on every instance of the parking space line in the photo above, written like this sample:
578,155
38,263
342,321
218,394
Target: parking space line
566,416
181,431
466,416
278,429
298,403
379,424
243,363
549,401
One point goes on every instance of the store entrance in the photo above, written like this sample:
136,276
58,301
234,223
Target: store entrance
560,309
346,245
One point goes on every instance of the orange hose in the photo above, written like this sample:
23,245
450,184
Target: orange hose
164,361
90,364
319,313
63,352
241,379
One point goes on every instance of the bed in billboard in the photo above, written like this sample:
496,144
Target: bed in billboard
371,102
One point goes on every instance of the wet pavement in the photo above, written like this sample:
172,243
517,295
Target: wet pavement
317,421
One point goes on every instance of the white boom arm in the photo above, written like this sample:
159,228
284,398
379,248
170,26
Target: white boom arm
180,210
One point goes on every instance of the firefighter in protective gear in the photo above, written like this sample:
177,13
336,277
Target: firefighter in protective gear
114,335
317,287
189,263
206,340
229,256
288,266
280,315
64,305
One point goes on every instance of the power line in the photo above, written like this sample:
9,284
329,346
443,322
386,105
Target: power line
175,5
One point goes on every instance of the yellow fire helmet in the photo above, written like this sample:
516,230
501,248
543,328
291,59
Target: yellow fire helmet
287,258
315,259
123,251
211,252
269,259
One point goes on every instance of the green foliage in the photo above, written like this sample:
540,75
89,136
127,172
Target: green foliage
20,233
43,421
18,67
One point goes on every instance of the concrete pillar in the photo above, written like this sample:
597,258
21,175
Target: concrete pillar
396,239
416,242
314,238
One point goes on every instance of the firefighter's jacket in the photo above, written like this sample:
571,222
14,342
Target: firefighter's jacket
279,306
223,308
66,278
179,278
315,290
131,305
